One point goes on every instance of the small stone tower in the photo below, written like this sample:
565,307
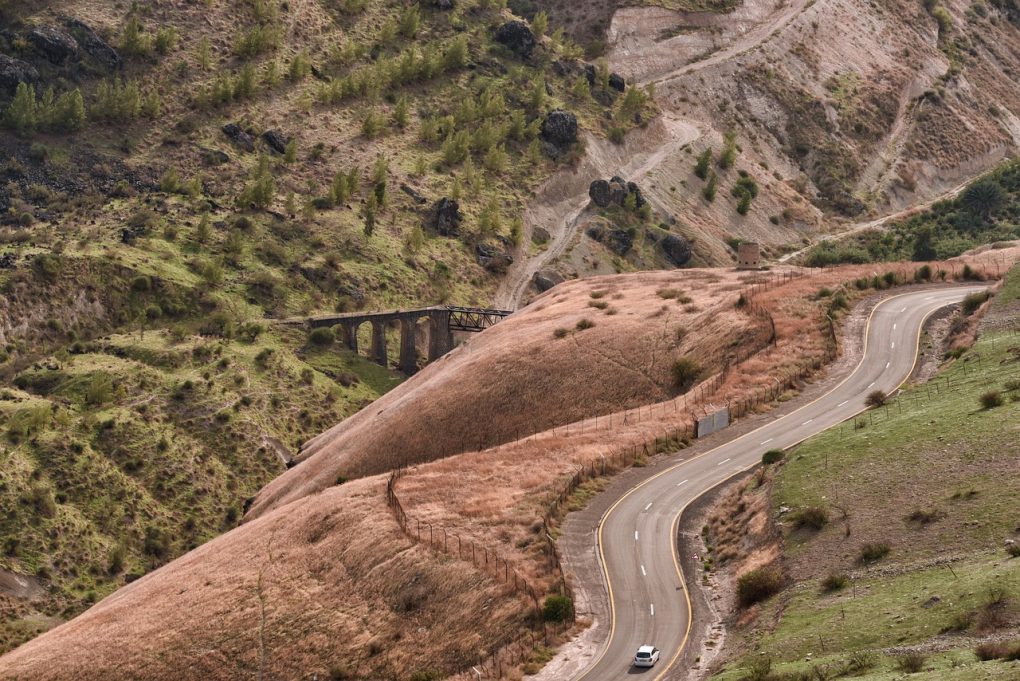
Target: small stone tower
748,256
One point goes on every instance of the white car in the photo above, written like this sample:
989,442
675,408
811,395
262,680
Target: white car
646,656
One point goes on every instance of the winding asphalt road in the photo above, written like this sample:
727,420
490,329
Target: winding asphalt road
637,535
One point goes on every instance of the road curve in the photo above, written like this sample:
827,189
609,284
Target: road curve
637,547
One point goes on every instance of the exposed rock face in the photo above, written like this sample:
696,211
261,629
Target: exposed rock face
445,218
677,249
14,71
516,36
413,193
614,192
276,141
53,43
239,137
546,279
94,46
493,258
619,241
617,82
560,128
599,193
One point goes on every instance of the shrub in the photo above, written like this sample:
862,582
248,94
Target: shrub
557,608
560,333
322,337
972,302
813,517
992,399
873,551
685,373
758,584
876,398
772,456
924,516
911,663
1013,550
836,581
585,324
701,169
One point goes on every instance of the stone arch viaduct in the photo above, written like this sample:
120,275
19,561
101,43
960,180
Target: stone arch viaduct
442,322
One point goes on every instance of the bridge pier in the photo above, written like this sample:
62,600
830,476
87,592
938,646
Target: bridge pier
379,341
440,336
408,349
351,335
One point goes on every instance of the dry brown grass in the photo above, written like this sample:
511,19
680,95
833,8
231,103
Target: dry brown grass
327,583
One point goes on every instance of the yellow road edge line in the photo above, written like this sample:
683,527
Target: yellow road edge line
676,519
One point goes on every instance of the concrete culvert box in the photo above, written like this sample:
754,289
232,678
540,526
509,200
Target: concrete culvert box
748,256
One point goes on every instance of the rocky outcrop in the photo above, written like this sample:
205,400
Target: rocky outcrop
275,140
53,43
677,249
14,71
517,37
239,137
540,235
493,258
94,46
617,82
614,192
413,193
619,241
445,217
546,279
559,129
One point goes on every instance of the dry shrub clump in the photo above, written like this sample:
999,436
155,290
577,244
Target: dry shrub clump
758,585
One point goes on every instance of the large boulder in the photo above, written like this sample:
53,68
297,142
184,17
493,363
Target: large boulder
517,37
493,258
239,137
14,71
54,44
275,140
413,193
560,128
540,235
639,198
94,46
617,82
546,279
619,241
445,217
599,193
677,249
617,192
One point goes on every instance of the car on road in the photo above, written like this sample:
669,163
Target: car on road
646,656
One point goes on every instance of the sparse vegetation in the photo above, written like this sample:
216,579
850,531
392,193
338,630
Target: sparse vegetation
758,585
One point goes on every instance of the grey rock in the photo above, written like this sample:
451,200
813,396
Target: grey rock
445,218
239,137
517,37
415,196
560,128
677,249
617,193
617,82
94,46
546,279
443,4
590,74
599,193
619,241
540,235
493,258
14,71
276,141
8,260
54,44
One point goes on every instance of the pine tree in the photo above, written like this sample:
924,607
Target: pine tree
701,168
369,214
710,189
540,24
400,113
22,114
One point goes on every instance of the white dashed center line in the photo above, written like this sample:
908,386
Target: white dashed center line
807,422
871,384
843,403
681,482
767,441
893,327
651,609
722,462
648,506
643,571
894,345
635,535
887,364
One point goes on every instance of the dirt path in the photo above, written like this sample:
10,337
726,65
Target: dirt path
880,222
561,201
